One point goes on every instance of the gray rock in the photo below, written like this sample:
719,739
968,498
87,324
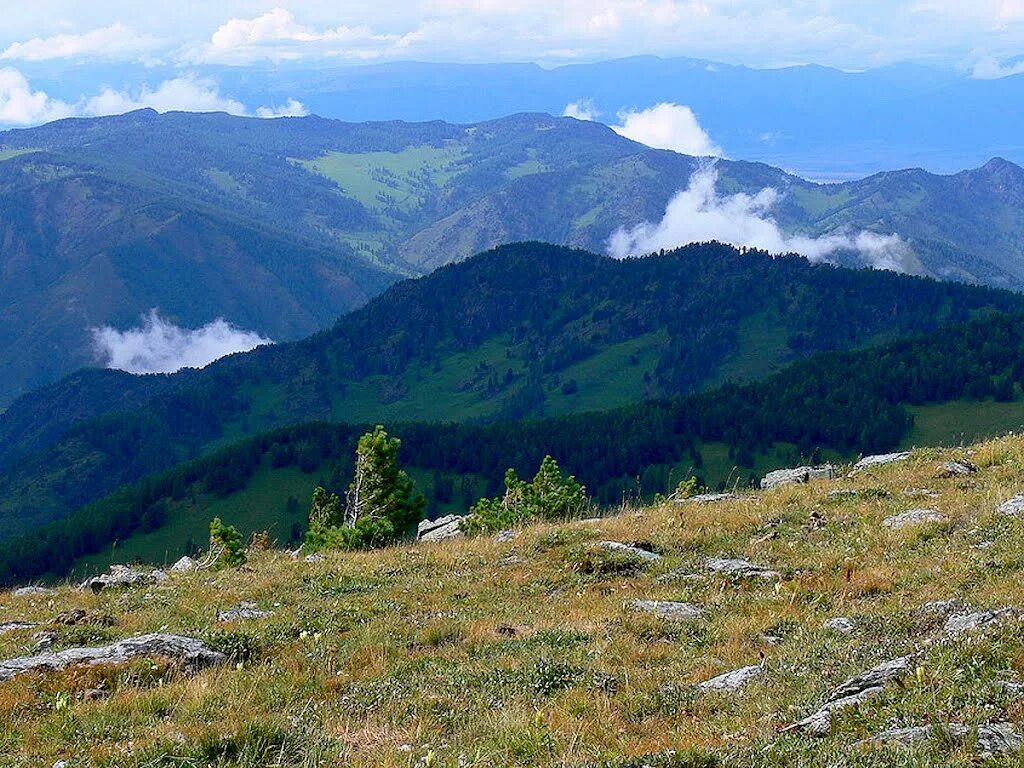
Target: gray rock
192,653
840,624
709,498
969,622
945,607
628,549
503,537
732,681
797,476
447,527
878,460
743,569
244,610
123,576
32,591
956,469
184,565
669,610
313,558
854,691
843,494
61,764
1012,507
913,517
993,738
45,640
14,626
920,493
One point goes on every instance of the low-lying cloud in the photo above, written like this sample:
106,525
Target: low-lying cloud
158,346
699,214
663,126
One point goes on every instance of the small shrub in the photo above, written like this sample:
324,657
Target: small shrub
238,646
226,547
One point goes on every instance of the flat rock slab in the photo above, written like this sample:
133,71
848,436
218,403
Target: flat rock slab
797,476
913,517
1012,507
33,591
956,469
123,576
743,569
709,498
878,460
992,738
190,652
970,622
840,624
629,549
669,610
732,681
243,611
447,527
14,626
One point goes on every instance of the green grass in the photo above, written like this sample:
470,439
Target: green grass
963,421
761,350
8,154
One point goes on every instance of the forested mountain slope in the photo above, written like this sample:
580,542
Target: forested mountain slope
523,331
279,226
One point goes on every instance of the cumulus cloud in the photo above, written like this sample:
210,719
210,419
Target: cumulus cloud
581,110
185,94
291,108
158,346
20,105
699,214
114,42
668,126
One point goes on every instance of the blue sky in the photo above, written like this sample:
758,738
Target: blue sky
180,44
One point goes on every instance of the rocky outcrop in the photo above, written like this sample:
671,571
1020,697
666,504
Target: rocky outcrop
797,476
992,738
970,622
123,576
738,568
629,549
868,462
33,592
447,527
189,652
669,610
732,681
913,517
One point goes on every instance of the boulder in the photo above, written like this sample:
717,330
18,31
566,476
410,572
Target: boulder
913,517
315,557
840,624
669,610
190,652
31,591
629,549
969,622
244,610
797,476
1012,507
184,565
945,607
956,469
123,576
878,460
992,738
732,681
743,569
447,527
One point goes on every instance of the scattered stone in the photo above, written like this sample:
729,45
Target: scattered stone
956,469
797,476
184,565
591,520
447,527
503,537
969,622
840,624
945,607
1010,687
771,639
878,460
709,498
993,738
1012,507
123,576
732,681
193,654
61,764
913,517
45,640
920,493
854,691
316,557
14,626
680,575
743,569
842,494
31,591
629,549
668,610
244,610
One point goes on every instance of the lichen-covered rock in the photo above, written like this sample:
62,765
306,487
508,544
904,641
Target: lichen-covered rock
913,517
33,591
503,537
878,460
14,626
797,476
669,610
961,468
709,498
123,576
629,549
190,652
840,624
992,738
732,681
1012,507
244,610
184,565
447,527
969,622
743,569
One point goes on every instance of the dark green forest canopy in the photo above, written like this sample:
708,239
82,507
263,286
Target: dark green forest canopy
851,402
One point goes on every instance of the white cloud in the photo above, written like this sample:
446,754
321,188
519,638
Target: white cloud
113,42
185,94
20,105
291,108
668,126
162,347
581,110
989,67
700,214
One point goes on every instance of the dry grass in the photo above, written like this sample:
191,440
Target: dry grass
524,653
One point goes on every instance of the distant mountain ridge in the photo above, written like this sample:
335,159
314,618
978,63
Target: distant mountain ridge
280,226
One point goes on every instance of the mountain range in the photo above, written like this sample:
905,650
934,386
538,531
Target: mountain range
279,226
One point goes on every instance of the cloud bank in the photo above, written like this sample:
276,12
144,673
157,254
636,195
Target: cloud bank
114,42
158,346
663,126
699,214
581,110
